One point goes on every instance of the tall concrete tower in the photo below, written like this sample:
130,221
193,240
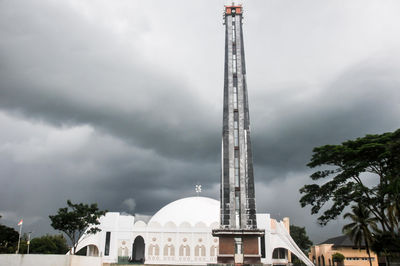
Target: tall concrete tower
238,234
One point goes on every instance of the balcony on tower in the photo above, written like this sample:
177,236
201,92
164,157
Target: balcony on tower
233,10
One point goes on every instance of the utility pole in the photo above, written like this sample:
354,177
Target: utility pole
29,241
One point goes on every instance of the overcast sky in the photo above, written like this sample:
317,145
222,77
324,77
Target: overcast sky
120,102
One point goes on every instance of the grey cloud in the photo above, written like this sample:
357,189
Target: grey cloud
360,101
100,105
130,204
54,82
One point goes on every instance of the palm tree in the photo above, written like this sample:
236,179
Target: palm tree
359,229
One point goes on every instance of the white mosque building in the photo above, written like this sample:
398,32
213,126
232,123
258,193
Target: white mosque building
180,234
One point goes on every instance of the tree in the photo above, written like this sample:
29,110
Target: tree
8,239
76,220
49,244
338,258
299,236
359,229
386,246
23,245
343,180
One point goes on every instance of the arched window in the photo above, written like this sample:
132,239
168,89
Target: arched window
319,261
323,260
279,253
200,250
329,261
169,250
184,251
123,251
213,251
154,250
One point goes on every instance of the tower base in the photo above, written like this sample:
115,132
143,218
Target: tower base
238,246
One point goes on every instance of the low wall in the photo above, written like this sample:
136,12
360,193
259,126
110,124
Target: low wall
85,261
48,260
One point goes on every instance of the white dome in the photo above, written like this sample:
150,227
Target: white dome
192,210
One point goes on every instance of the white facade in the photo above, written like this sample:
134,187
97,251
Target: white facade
179,233
47,260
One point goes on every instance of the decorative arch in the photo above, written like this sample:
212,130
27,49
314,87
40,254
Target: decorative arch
200,250
213,251
154,250
170,224
140,224
154,224
184,251
169,250
200,225
185,225
280,238
123,250
214,225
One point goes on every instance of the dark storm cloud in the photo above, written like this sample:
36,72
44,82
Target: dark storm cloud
362,100
61,84
46,172
71,74
120,103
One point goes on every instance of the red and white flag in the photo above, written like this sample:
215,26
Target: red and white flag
20,222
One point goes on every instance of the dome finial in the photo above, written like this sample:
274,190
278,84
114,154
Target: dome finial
197,189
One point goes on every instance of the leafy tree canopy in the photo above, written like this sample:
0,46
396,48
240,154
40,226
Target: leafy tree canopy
338,257
299,236
76,220
49,244
343,173
385,244
8,239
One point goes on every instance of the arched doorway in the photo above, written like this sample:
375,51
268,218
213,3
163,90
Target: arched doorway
138,248
89,250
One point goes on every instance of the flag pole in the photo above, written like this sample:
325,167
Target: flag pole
19,238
